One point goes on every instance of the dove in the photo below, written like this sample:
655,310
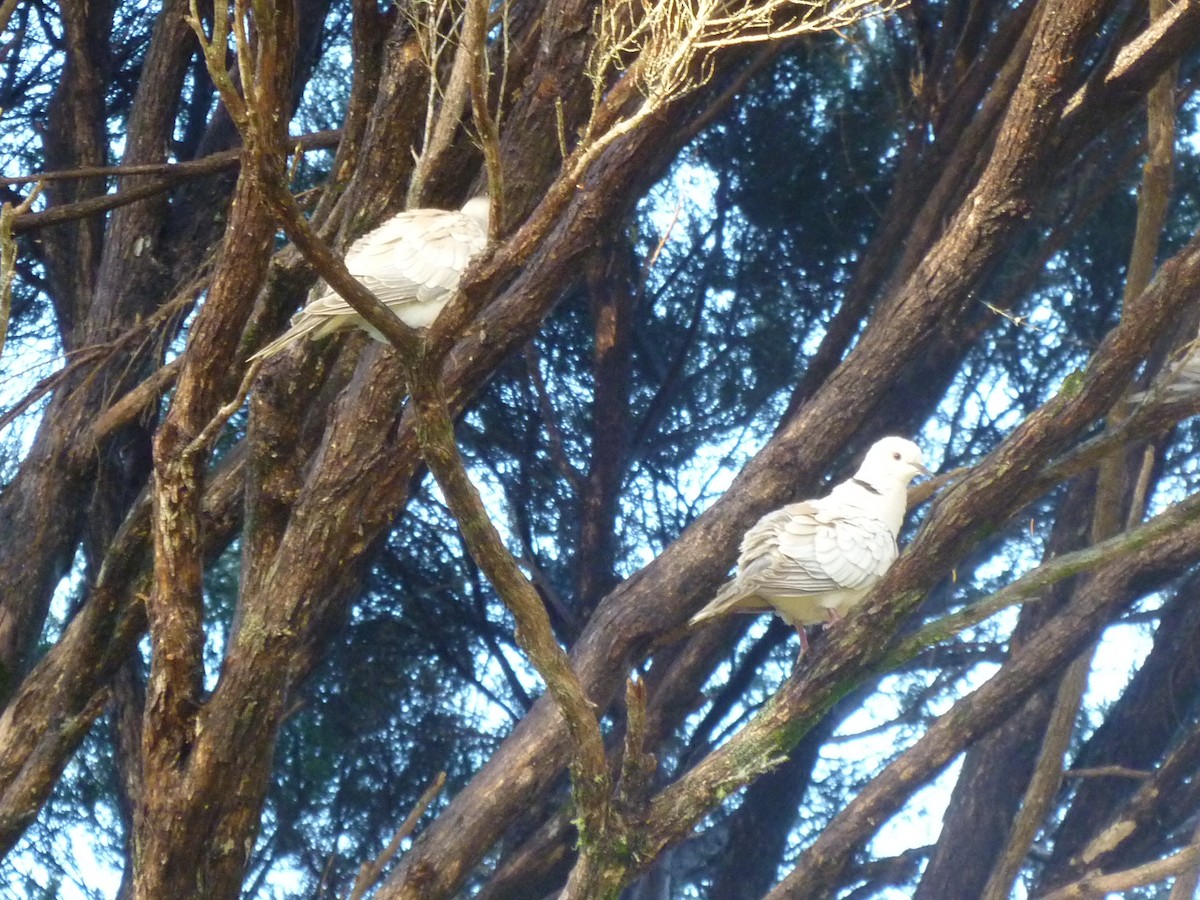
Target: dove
813,561
412,262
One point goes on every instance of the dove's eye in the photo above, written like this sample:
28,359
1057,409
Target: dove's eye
896,455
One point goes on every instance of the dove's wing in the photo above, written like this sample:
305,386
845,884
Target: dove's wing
1181,378
418,255
806,550
413,258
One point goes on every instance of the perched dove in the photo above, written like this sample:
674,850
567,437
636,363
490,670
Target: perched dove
412,262
813,561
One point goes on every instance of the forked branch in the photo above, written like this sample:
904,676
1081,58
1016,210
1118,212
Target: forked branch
667,50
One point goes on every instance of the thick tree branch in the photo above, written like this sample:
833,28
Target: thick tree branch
169,844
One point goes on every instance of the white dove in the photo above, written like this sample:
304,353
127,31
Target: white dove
812,561
412,262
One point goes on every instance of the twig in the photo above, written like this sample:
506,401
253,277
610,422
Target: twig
1187,881
637,766
662,242
133,403
1108,772
1030,584
173,172
370,871
435,433
1046,780
488,126
558,447
603,832
1141,488
191,168
673,44
209,432
454,102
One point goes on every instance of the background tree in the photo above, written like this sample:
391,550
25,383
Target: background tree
735,245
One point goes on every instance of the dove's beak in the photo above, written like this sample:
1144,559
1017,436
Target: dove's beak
923,470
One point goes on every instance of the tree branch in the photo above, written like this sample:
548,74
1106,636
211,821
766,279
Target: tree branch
370,871
1094,886
590,776
173,173
1047,778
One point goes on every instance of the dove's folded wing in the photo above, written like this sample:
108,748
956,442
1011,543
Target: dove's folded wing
814,551
412,263
802,550
419,255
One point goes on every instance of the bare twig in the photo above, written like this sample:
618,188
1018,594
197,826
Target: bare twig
637,766
534,632
201,442
673,44
558,445
133,404
370,871
426,20
192,168
1188,879
439,135
1031,584
1141,488
662,242
486,124
1108,772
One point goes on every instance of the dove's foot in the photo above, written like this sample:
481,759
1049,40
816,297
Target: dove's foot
803,639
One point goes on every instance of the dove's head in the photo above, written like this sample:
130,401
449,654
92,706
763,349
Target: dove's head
892,459
479,209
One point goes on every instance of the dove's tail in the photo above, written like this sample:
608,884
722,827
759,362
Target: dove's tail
302,328
728,598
